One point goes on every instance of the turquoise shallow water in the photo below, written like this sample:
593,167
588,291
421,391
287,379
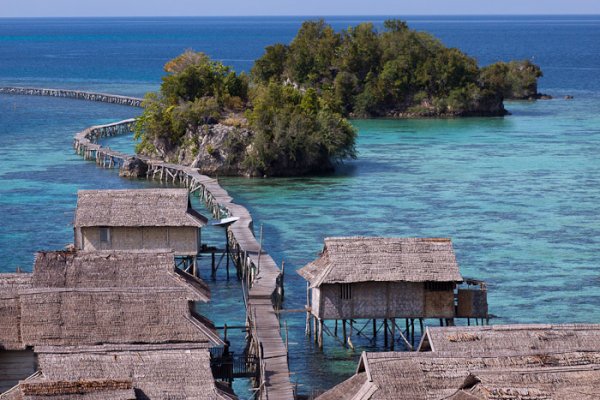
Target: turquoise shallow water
518,195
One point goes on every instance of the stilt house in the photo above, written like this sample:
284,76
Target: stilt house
358,277
105,325
499,362
138,219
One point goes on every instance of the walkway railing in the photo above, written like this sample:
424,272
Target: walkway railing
74,94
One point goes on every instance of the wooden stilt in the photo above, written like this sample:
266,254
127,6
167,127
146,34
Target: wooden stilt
335,328
374,328
421,326
212,265
345,336
412,333
321,334
393,321
307,329
385,332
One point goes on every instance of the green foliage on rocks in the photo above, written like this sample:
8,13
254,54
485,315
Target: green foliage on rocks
288,117
293,132
195,91
362,72
515,79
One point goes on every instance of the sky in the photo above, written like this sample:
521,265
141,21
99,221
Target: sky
99,8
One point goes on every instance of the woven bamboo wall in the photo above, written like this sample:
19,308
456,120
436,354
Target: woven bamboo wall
10,320
382,300
182,240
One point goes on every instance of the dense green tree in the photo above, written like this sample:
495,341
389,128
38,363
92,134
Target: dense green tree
294,134
271,64
311,53
515,79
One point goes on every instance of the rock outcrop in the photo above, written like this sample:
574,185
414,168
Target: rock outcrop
133,168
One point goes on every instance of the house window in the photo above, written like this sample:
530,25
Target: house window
439,286
345,291
104,235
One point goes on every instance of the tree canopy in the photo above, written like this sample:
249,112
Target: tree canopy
362,72
292,132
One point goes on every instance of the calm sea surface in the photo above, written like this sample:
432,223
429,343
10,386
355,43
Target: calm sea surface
518,195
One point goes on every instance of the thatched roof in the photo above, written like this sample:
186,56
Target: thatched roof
511,339
133,208
10,309
111,297
128,269
417,376
570,382
360,259
174,371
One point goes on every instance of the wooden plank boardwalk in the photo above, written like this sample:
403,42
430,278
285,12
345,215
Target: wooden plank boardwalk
74,94
264,292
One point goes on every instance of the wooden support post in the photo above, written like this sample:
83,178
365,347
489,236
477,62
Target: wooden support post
227,251
282,287
345,336
335,328
307,328
212,265
374,328
321,334
385,332
393,320
421,326
412,329
194,266
407,329
315,329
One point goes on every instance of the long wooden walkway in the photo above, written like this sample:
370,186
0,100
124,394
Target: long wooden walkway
264,278
74,94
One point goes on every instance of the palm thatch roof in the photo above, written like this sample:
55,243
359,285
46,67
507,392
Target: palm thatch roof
367,259
174,371
136,208
100,297
511,339
417,376
570,382
116,269
10,309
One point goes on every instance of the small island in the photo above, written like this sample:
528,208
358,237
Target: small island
289,116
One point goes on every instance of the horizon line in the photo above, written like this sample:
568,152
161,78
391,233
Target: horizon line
304,15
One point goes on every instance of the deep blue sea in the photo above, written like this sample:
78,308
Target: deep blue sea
518,195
